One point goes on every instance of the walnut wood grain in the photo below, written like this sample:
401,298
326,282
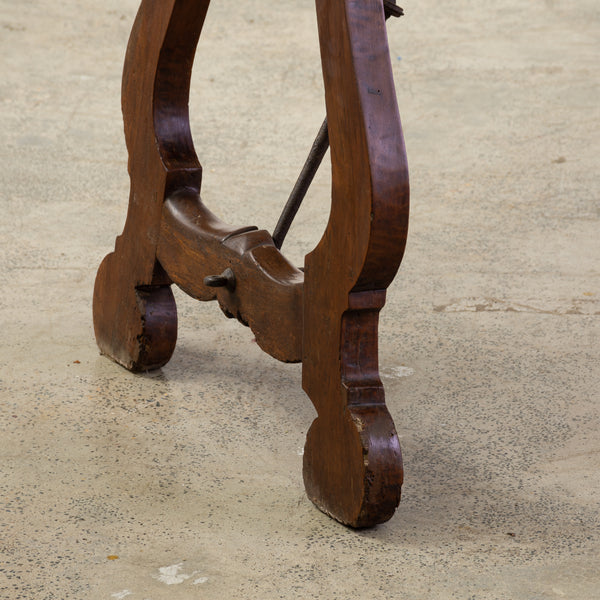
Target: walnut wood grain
267,297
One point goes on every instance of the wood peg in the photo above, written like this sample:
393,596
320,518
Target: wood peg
226,279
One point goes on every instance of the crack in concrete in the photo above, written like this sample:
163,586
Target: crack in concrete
576,306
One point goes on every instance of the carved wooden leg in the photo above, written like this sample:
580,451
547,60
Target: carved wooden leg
352,459
135,317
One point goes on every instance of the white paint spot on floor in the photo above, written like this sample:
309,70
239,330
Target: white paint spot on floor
121,595
172,575
301,451
403,371
394,372
200,580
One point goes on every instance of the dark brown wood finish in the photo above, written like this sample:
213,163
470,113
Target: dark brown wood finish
267,295
141,334
327,316
356,473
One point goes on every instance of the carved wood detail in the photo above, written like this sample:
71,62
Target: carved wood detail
326,316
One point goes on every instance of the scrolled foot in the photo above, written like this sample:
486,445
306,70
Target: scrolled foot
353,466
136,326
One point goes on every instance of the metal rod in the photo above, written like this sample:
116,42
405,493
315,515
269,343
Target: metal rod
315,156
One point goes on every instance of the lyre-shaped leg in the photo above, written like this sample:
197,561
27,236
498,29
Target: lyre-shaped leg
135,317
352,459
326,317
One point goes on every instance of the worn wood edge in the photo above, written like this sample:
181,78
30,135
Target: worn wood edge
136,326
361,486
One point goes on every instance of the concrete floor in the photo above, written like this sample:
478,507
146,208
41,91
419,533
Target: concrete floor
186,483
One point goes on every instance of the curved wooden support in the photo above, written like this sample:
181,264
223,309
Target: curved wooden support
327,316
155,94
355,474
267,295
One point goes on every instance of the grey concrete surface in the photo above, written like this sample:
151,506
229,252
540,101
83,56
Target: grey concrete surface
186,483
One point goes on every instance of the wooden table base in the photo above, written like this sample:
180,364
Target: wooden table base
325,316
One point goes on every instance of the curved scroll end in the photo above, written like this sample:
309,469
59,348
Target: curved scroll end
352,460
135,326
353,466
